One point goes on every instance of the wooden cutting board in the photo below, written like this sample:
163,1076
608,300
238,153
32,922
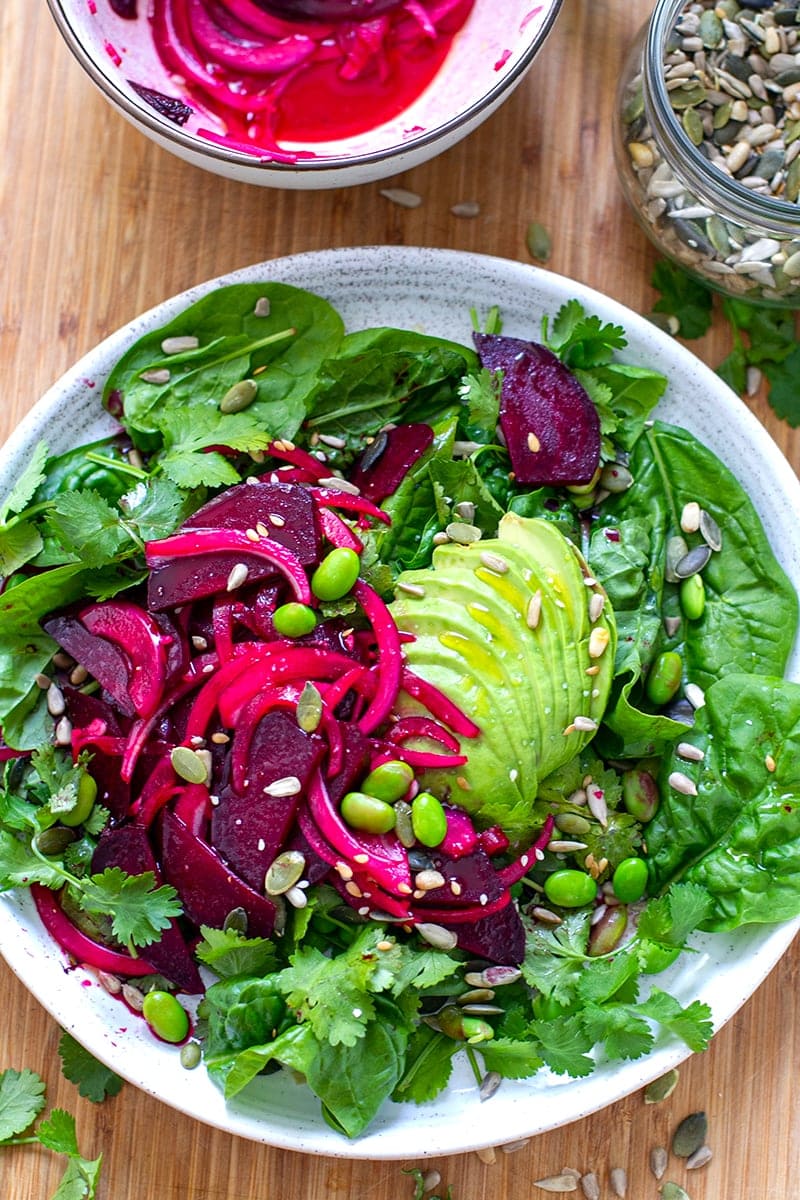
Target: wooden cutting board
96,225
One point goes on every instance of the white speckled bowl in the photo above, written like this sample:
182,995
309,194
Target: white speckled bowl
488,59
430,290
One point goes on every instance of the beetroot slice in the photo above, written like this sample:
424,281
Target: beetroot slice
206,885
550,425
101,659
499,938
379,473
128,848
171,107
477,882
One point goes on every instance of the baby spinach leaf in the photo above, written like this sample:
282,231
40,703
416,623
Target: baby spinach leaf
739,838
300,331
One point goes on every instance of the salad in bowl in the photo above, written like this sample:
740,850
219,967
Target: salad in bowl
376,701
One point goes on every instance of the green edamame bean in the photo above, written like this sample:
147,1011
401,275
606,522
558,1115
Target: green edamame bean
389,781
630,880
664,678
336,574
428,819
367,813
570,889
165,1016
87,794
294,620
640,794
693,597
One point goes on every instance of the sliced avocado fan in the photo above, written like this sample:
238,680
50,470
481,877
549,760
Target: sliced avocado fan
508,629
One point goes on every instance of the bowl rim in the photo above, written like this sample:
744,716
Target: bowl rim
192,143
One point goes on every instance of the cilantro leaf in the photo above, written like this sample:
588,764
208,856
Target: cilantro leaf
87,527
554,957
228,953
693,1024
601,979
138,909
429,1065
94,1081
21,1101
784,393
670,919
18,545
511,1058
185,459
332,994
682,297
580,340
156,508
564,1045
57,1132
24,489
481,394
620,1027
79,1181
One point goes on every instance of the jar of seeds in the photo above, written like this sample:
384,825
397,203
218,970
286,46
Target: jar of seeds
707,142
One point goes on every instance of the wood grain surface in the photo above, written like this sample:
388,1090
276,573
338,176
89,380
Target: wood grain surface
96,225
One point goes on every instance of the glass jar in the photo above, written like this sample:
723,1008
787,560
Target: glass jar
687,191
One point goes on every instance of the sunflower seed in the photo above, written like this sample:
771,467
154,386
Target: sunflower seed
690,1135
289,785
682,783
110,983
237,577
534,609
55,700
658,1161
190,1056
493,562
619,1182
262,307
557,1183
689,752
597,803
437,936
596,606
710,530
179,345
341,485
695,695
690,517
466,208
590,1186
699,1159
133,997
402,197
157,375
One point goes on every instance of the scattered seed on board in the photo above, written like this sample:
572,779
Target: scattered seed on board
538,241
701,1156
487,1155
682,783
619,1182
690,1135
590,1186
573,1171
673,1191
658,1161
402,197
466,208
179,345
557,1183
513,1147
661,1088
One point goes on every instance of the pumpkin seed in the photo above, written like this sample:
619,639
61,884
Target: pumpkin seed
661,1088
538,241
710,530
461,532
699,1159
673,1191
309,708
239,397
284,872
690,1135
677,549
187,764
693,562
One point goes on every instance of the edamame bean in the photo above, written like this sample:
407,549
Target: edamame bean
570,889
428,819
336,574
367,813
389,781
630,880
664,678
693,597
294,620
165,1016
87,794
640,794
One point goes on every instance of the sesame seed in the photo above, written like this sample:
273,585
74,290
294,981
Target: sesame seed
534,445
493,562
199,642
252,535
237,577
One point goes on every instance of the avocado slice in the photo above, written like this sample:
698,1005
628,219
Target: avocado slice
522,680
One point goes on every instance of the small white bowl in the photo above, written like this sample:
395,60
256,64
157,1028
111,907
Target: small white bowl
489,56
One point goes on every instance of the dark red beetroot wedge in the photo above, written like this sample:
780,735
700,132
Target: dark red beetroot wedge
244,506
207,887
355,763
128,848
100,658
550,425
276,748
499,938
476,880
385,463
